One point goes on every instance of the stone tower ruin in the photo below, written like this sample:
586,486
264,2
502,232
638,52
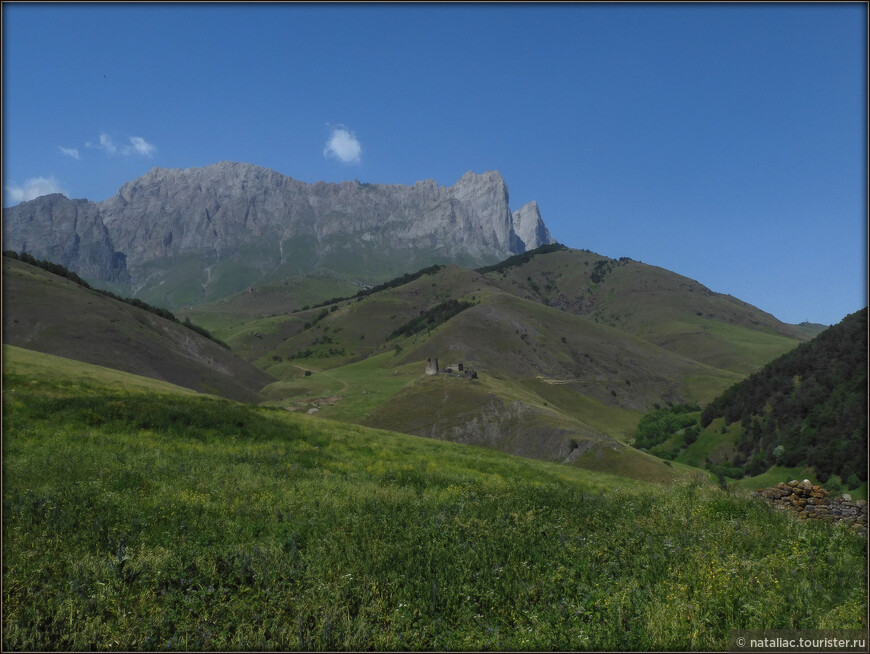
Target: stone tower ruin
431,366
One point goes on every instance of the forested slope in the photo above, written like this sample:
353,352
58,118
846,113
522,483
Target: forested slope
808,407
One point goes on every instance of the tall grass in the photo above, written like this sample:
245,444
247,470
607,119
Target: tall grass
135,520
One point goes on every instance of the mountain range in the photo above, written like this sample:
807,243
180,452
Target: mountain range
180,237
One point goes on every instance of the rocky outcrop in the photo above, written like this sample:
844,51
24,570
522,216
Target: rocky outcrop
67,232
530,228
809,502
240,223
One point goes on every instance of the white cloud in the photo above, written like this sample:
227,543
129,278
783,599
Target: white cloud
105,144
70,152
33,188
138,145
343,145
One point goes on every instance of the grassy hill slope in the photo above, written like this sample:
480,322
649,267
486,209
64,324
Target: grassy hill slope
562,377
554,372
662,307
272,299
51,314
140,518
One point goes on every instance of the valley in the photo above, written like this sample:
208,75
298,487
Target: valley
566,365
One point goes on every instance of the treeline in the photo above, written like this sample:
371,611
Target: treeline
808,407
61,271
393,283
431,318
520,259
401,280
50,266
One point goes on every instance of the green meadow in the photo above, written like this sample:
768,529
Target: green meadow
138,517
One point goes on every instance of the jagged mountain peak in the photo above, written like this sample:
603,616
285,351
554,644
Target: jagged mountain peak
486,176
230,225
529,226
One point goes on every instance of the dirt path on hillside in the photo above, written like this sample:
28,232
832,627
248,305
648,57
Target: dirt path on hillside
344,384
552,381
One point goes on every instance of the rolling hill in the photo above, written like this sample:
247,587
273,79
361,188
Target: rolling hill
52,314
566,367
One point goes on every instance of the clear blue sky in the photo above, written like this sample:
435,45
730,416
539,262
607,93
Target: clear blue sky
725,142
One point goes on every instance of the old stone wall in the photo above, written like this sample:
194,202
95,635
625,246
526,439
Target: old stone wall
452,369
809,502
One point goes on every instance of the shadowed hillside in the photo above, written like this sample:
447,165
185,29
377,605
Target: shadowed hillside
51,314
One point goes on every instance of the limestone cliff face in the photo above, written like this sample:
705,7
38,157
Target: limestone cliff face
530,228
68,232
266,222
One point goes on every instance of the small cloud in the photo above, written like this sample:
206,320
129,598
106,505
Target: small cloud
34,188
71,152
343,145
107,144
140,146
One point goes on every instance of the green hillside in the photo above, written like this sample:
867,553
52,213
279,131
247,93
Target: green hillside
571,349
147,518
273,299
804,414
808,407
660,306
52,314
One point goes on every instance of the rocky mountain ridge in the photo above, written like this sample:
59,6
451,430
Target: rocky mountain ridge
234,224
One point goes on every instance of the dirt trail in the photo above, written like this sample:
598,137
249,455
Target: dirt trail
344,384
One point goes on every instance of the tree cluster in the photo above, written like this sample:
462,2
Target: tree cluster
659,424
431,318
808,407
520,259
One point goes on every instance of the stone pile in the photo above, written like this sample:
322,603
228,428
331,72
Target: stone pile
807,501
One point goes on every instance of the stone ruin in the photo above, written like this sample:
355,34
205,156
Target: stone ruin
452,369
809,502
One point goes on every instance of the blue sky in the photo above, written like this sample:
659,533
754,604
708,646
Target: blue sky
725,142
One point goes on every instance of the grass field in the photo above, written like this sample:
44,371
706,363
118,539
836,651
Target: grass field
355,389
37,365
145,518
